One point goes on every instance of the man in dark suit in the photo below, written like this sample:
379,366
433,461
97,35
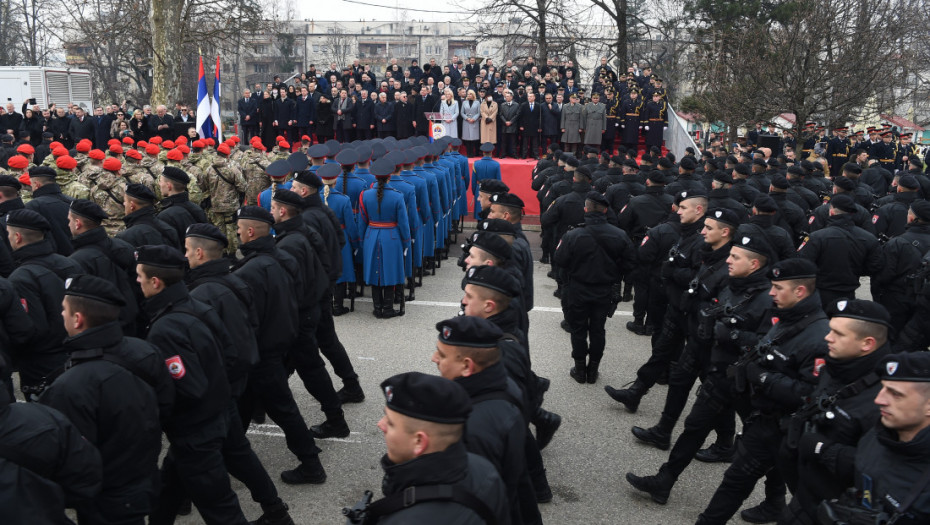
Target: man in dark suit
364,117
423,103
531,126
405,117
81,127
306,114
248,115
161,123
102,120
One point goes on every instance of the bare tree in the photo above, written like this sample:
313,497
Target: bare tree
36,37
548,26
339,45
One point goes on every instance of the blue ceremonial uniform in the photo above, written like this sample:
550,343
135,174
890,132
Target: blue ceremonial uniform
435,208
365,175
264,198
485,168
342,207
461,184
413,219
443,179
386,236
423,211
352,187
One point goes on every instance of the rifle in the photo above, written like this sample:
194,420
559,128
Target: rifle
758,353
358,514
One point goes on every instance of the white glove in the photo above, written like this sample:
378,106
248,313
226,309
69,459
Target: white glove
647,128
664,128
405,252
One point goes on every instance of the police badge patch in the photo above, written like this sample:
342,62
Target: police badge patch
891,367
175,367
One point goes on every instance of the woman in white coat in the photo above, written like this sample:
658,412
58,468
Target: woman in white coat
471,123
449,109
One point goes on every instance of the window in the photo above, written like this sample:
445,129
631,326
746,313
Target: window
260,49
316,48
261,68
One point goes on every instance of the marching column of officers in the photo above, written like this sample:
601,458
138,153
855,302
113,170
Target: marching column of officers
744,274
131,309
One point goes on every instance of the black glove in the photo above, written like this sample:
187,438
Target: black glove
723,333
755,374
812,445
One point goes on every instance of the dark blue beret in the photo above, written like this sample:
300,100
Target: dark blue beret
427,397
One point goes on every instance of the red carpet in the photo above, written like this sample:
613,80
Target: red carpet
517,175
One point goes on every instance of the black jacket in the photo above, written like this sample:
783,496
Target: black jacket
117,410
78,129
682,261
179,212
643,211
292,237
903,255
891,469
749,300
843,253
113,260
453,466
16,328
49,202
778,238
194,358
594,257
891,218
567,210
144,227
273,294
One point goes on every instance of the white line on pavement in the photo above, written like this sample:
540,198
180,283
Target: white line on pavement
548,309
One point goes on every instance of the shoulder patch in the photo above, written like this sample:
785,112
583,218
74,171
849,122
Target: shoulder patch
175,367
645,240
874,218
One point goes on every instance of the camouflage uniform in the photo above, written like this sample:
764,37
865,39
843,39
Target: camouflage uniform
107,193
195,172
153,168
255,177
88,176
81,159
195,194
135,173
68,182
225,184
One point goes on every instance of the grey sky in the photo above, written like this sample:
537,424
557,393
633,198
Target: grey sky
342,10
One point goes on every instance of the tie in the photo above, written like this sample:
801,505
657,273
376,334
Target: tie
531,107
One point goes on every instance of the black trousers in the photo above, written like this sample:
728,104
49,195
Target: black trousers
305,356
666,348
268,385
194,467
756,456
509,145
586,320
329,343
530,144
308,131
244,465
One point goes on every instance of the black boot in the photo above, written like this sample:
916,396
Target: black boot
339,295
765,512
274,514
401,299
659,436
334,426
547,423
658,486
592,371
627,293
636,326
541,487
630,397
411,283
716,454
387,301
310,472
376,299
351,392
579,371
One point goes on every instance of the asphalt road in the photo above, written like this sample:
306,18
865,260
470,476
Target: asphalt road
586,460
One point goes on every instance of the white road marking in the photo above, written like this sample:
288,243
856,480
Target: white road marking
275,431
547,309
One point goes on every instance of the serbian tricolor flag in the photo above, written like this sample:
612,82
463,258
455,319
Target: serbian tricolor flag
204,123
215,106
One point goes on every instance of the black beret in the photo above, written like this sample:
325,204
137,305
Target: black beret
759,162
914,161
7,138
596,197
843,202
914,367
279,168
140,192
852,167
382,168
732,160
844,183
921,209
493,277
160,256
630,163
584,171
93,287
909,182
47,135
298,161
724,215
765,204
687,163
795,268
487,147
289,198
27,219
318,151
860,309
427,397
773,163
254,213
754,243
309,178
205,230
571,161
492,243
499,226
43,171
492,186
779,181
742,169
723,176
326,171
507,199
796,171
88,210
9,181
467,330
656,177
690,194
347,157
176,174
617,159
590,149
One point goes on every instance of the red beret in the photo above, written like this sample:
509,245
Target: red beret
175,155
134,153
259,146
198,144
235,139
55,144
112,142
66,162
167,144
128,140
96,154
279,138
83,147
25,149
152,149
116,149
60,151
142,144
112,164
17,162
180,140
284,145
210,141
223,148
24,179
155,140
305,139
183,149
